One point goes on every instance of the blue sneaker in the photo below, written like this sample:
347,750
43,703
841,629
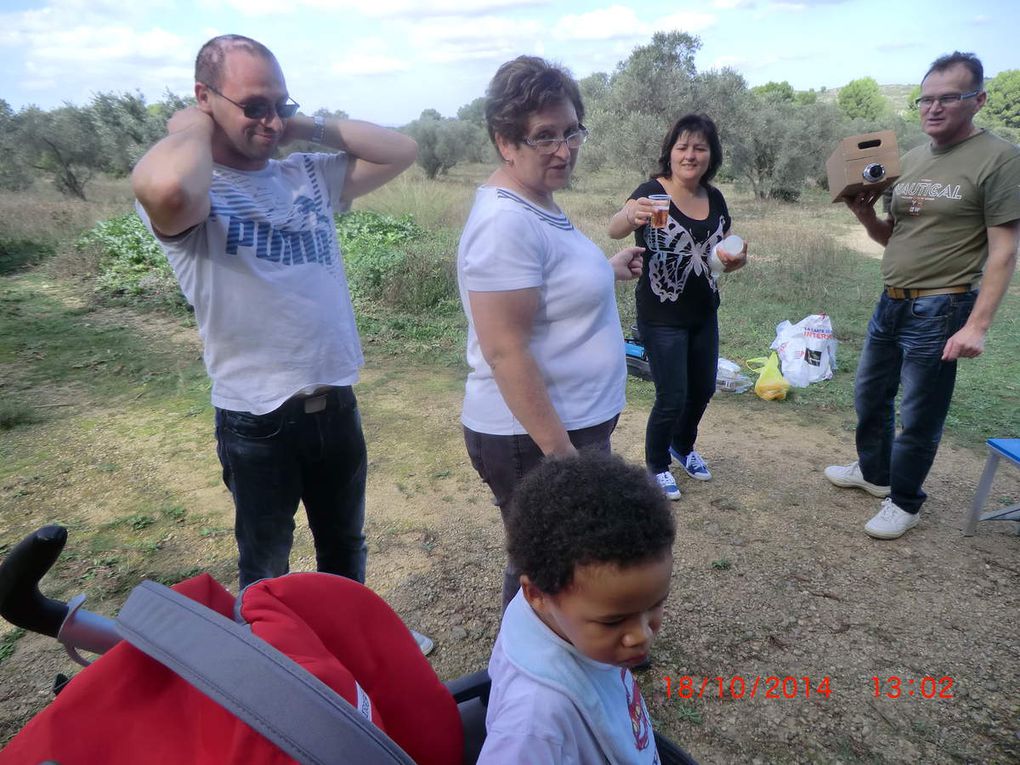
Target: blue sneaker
668,485
692,464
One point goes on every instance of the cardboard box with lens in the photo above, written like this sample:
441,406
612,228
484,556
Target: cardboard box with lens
869,161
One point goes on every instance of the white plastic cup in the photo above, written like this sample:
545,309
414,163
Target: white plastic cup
731,245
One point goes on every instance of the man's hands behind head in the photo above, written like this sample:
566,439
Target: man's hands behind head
188,118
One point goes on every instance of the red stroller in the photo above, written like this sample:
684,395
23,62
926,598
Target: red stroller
306,668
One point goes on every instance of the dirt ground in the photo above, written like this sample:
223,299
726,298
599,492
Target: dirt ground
774,576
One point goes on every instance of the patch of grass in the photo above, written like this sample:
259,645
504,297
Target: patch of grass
439,339
16,254
210,532
687,712
41,214
173,513
442,203
722,564
15,413
50,340
8,642
102,540
150,546
139,521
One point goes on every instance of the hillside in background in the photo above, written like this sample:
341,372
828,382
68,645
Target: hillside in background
896,95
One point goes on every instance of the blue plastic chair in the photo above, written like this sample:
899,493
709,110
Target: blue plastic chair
997,449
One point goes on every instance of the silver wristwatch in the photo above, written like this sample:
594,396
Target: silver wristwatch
319,134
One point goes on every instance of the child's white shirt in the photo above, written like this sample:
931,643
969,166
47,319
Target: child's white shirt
551,704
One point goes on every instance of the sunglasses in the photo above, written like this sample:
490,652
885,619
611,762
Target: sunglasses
260,109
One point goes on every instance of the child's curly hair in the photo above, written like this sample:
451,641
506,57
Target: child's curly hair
588,508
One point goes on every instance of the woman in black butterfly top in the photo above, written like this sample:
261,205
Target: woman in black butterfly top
677,295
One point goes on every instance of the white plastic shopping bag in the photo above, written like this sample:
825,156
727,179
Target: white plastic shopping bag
807,349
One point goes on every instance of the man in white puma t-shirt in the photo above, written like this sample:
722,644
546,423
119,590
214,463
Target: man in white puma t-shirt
253,244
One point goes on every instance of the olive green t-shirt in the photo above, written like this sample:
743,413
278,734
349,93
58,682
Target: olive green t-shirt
943,204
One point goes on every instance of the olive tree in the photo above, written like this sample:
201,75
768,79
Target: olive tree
862,99
442,143
648,91
14,172
63,144
782,145
1003,106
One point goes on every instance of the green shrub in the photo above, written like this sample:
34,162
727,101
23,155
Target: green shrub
131,263
404,283
390,261
397,265
426,281
16,254
16,413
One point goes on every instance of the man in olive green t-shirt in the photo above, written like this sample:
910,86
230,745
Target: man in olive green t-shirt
954,220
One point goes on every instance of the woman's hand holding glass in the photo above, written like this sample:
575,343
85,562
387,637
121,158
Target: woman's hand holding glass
639,211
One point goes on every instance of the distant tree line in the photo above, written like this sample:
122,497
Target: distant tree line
775,138
71,144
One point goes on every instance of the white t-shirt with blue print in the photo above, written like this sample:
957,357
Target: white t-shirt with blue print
266,279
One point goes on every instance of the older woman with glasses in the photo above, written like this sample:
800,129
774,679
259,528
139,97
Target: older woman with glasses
544,342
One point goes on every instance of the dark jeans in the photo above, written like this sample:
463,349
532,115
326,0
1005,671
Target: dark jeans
683,362
272,461
904,347
502,461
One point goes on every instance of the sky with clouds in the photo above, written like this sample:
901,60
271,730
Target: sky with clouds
387,60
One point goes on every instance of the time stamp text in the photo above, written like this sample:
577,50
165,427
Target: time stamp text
789,687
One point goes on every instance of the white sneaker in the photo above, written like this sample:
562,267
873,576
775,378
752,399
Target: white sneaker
424,642
891,522
849,476
668,485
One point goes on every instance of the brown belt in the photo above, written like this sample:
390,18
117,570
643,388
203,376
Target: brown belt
898,293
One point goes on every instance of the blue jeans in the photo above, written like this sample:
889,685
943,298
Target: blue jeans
272,461
904,347
502,461
683,362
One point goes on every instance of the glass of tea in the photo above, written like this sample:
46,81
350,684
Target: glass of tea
660,215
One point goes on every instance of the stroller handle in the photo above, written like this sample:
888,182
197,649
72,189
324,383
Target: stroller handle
21,603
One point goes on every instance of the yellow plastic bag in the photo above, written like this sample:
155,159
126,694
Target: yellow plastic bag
771,385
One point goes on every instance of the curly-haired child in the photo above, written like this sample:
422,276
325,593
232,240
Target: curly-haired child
593,538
